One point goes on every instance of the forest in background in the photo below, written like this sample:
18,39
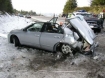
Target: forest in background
6,6
96,6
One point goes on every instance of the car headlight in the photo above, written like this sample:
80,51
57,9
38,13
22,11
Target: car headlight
91,26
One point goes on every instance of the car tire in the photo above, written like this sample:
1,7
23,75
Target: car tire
66,50
16,41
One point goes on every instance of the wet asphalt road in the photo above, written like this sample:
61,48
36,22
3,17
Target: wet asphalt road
34,18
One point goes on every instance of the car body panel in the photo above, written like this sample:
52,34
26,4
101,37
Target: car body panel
48,40
30,38
91,33
83,28
69,38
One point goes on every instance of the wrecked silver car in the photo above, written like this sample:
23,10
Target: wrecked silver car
75,36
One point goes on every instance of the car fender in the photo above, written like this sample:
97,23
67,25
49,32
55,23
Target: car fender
13,34
10,38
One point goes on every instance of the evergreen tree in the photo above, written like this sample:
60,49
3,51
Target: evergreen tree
6,6
2,5
70,6
97,2
9,7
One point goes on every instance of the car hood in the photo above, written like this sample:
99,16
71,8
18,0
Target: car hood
83,28
16,30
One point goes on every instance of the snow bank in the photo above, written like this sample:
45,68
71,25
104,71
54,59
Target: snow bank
3,35
8,23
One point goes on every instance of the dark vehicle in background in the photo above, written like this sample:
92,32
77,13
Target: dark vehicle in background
93,22
21,15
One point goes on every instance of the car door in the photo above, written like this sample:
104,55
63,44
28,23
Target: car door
53,20
49,37
31,35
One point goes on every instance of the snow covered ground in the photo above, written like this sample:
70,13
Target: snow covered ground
8,23
25,62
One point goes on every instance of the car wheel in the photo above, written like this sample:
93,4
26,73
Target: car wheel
66,49
16,41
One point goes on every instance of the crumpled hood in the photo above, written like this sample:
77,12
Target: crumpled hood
81,25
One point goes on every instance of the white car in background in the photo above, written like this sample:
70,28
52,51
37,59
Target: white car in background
27,16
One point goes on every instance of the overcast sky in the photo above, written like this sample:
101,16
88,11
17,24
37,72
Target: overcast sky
44,6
